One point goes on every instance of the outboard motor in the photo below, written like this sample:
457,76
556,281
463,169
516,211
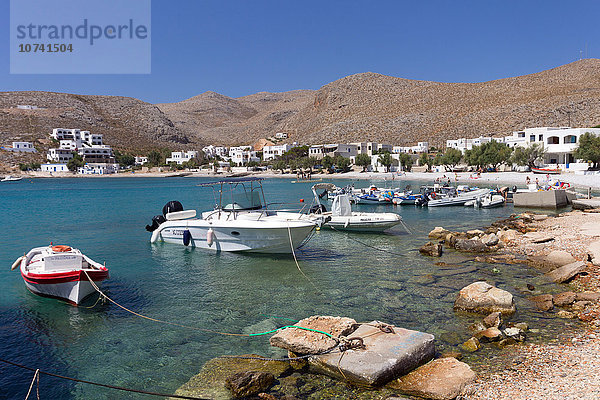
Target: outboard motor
172,206
156,221
317,209
514,189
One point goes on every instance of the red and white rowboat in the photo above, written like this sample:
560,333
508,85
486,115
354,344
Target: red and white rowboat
551,171
60,272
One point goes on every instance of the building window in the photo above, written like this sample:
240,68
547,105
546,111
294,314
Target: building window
553,140
532,138
570,139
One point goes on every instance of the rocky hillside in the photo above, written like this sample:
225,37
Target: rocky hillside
128,124
376,107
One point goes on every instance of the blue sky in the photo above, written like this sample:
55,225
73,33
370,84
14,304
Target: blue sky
242,47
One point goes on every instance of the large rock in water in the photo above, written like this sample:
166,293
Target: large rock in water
566,272
301,341
441,379
438,233
249,383
385,356
210,382
560,258
432,249
481,297
472,245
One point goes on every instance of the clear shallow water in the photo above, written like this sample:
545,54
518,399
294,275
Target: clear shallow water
105,218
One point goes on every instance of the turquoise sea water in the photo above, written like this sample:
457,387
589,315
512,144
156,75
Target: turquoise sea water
105,218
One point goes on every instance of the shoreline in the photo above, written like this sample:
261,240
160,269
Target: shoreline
488,178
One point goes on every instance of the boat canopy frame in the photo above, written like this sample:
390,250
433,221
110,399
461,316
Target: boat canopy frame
234,183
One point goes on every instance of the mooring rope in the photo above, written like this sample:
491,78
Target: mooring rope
35,375
195,327
38,372
296,259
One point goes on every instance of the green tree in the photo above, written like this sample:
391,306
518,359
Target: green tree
363,160
327,162
438,159
279,165
451,158
385,159
341,162
124,159
155,158
406,161
308,162
425,160
527,156
588,149
75,162
488,154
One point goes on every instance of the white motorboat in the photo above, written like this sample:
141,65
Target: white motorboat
10,178
60,272
491,201
453,199
241,222
341,216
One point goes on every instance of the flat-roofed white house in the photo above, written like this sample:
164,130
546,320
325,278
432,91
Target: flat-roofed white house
140,160
59,155
276,150
333,149
98,169
464,144
281,135
559,144
21,147
242,155
180,157
54,168
421,147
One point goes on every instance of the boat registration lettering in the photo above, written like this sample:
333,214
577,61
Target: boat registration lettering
177,232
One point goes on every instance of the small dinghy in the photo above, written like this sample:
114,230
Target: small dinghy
60,272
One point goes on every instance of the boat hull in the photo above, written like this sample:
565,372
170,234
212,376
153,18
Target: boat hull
258,239
369,226
72,287
545,171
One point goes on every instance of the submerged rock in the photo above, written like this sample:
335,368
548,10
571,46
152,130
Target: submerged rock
473,246
564,299
490,239
566,272
432,249
248,383
491,334
481,297
441,379
493,320
587,296
301,341
385,355
543,302
471,345
210,382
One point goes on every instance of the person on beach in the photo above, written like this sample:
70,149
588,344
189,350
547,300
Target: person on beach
527,181
537,183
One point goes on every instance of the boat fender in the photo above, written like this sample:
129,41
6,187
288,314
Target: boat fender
16,263
155,236
347,222
210,236
187,237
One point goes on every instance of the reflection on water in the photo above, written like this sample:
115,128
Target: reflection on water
363,276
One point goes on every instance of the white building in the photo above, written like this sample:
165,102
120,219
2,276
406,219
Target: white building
281,135
27,107
54,168
59,155
421,147
97,154
465,144
21,147
333,149
214,151
98,169
559,144
242,155
368,148
274,151
140,160
180,157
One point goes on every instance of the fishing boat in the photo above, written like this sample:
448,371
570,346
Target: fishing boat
60,272
551,171
341,216
10,178
240,222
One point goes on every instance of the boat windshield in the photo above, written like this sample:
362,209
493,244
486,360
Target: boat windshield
242,200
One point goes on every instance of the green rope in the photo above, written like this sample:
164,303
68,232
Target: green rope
292,326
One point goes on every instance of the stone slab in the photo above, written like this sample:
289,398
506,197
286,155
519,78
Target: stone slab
386,356
566,272
301,341
542,199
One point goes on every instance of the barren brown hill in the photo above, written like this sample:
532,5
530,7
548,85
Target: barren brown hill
128,124
376,107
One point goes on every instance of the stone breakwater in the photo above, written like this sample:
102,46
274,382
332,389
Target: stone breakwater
566,249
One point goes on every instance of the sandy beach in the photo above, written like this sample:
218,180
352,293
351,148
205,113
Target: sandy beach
581,182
